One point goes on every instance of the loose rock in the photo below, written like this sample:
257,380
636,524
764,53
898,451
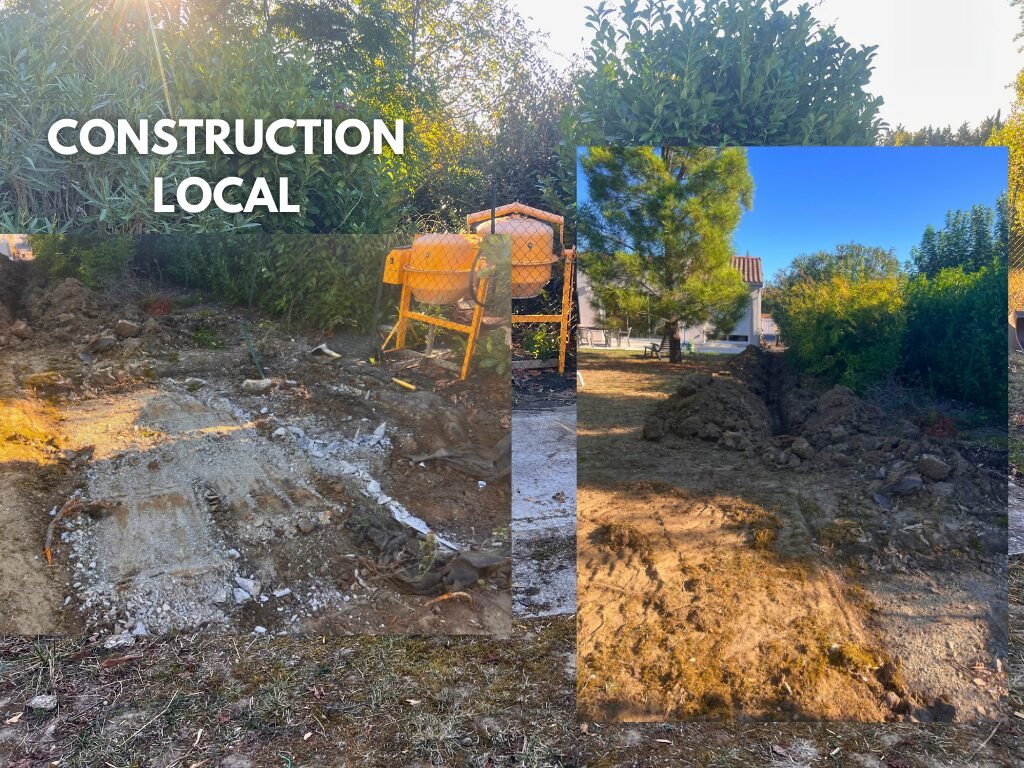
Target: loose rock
21,330
654,428
933,467
43,703
802,448
256,386
251,586
125,329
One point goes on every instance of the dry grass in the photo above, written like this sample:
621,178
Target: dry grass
370,701
26,430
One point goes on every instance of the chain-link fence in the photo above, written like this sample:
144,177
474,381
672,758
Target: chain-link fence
454,301
542,274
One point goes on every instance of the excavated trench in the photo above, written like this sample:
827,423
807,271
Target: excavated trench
777,381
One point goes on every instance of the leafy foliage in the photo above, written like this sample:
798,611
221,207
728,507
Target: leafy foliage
93,259
965,135
120,69
854,317
658,229
724,73
313,281
1011,135
483,111
954,333
493,355
63,73
336,192
845,331
541,342
852,261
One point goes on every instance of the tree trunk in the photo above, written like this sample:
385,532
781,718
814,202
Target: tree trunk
675,344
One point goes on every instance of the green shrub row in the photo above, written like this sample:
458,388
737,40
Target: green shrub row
943,332
954,340
845,331
312,281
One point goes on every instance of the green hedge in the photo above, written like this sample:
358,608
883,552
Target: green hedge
943,333
954,341
843,331
92,259
317,281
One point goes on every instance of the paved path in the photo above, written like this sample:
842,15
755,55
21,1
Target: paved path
1016,519
544,511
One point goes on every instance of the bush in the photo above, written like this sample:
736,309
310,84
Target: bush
49,69
724,73
843,331
542,342
316,281
943,333
954,340
92,259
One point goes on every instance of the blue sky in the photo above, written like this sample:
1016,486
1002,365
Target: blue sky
814,198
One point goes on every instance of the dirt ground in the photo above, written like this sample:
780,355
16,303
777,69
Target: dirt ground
178,496
769,553
213,700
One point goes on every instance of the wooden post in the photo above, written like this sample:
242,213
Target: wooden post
570,259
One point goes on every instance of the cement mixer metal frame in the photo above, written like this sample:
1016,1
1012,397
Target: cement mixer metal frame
564,318
395,274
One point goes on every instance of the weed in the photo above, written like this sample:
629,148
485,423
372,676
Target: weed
206,337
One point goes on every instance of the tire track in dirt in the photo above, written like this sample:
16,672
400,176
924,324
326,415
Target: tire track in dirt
697,603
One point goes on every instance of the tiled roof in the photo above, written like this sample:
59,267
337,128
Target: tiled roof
750,268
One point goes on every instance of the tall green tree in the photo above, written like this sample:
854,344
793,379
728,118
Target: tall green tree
749,72
658,228
966,135
970,239
1011,136
487,108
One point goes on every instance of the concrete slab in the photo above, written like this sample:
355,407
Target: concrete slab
544,511
158,554
1016,519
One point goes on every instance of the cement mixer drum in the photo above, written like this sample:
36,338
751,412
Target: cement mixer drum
438,267
533,252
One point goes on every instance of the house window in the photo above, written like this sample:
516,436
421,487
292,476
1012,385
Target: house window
739,338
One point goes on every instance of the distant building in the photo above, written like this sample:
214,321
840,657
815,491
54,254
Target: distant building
769,330
747,331
590,315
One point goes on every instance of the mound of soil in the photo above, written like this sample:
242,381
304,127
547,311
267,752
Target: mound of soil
850,567
47,302
758,405
720,408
